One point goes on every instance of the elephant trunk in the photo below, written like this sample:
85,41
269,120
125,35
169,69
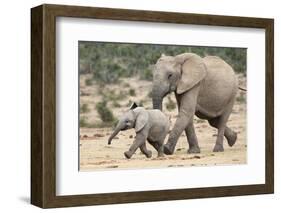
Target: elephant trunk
157,98
157,103
115,132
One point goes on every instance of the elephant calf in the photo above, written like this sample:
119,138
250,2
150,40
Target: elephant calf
150,125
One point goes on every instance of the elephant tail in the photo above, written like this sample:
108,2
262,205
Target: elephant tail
243,89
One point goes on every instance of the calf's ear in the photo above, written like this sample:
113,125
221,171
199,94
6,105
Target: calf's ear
141,120
133,106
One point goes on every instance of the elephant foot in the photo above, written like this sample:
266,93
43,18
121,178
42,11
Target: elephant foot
193,149
168,150
148,154
218,148
128,154
232,139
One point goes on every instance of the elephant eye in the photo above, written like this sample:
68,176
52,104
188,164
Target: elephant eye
170,75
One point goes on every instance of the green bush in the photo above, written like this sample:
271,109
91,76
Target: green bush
83,122
146,75
132,92
108,62
110,95
126,84
84,108
241,99
104,112
116,104
129,103
89,82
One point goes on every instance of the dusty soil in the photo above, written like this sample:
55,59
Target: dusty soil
96,154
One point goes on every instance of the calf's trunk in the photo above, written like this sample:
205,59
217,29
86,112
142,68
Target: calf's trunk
115,132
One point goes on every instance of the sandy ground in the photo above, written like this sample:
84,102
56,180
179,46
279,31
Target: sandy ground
95,154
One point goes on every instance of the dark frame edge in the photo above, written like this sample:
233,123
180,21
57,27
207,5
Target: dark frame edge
157,196
156,16
43,107
37,190
269,120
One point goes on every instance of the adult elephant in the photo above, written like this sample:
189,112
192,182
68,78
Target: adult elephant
205,87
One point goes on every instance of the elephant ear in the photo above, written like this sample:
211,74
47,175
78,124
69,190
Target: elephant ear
193,70
141,118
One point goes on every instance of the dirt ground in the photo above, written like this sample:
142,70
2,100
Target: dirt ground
95,154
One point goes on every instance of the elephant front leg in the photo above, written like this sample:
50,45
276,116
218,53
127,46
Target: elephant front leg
192,138
181,123
138,142
187,102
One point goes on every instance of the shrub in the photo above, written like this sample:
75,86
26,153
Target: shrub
126,84
241,99
146,75
116,104
104,112
84,108
108,62
129,103
122,95
111,95
132,92
84,93
83,121
89,82
110,72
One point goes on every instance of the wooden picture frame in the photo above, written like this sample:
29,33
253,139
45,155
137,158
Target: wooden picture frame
43,105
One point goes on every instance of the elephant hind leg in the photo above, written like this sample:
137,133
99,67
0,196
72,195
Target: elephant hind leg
221,129
230,135
159,146
154,144
145,151
220,124
161,151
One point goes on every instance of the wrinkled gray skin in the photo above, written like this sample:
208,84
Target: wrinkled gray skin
205,87
151,125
